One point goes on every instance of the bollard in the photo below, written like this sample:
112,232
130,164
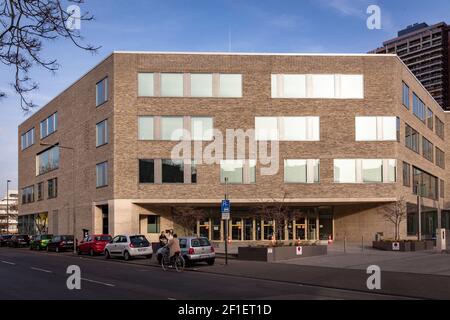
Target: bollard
362,243
345,244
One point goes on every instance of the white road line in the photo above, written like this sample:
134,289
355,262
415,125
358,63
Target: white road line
98,282
10,263
41,270
173,299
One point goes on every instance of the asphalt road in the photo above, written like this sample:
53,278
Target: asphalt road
26,274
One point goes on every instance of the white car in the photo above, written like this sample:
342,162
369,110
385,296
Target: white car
128,246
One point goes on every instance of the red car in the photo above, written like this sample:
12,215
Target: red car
94,244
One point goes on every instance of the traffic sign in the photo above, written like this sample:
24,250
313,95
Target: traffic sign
225,209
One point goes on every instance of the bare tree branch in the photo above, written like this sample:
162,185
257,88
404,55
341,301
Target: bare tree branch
24,25
395,213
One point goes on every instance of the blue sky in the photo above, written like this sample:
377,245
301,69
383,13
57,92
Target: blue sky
319,26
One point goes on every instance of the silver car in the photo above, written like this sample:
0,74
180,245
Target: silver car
193,249
128,246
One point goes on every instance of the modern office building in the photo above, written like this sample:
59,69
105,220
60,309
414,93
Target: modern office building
9,212
426,51
346,134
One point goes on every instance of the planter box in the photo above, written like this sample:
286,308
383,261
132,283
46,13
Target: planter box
389,246
280,253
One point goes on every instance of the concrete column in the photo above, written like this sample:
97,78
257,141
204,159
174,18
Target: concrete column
122,218
216,84
157,84
158,171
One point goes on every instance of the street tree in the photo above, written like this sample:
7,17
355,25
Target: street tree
25,25
187,217
395,213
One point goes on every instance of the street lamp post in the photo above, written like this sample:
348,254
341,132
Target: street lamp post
74,231
7,206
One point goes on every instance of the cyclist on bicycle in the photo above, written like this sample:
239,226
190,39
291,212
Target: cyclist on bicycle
174,246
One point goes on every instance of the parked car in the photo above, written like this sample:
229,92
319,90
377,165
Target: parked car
94,244
5,239
60,243
19,240
40,242
129,246
193,249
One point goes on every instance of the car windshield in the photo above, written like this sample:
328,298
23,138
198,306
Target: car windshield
200,242
46,237
103,238
139,240
67,238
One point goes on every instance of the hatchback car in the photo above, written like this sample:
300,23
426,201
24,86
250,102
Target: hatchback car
94,244
128,247
194,249
19,240
5,239
40,242
60,243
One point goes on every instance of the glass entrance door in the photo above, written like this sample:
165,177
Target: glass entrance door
236,229
248,229
312,229
300,229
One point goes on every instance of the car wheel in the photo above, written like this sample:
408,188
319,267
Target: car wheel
107,255
210,262
91,252
79,251
126,255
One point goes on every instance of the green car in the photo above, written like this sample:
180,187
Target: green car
40,242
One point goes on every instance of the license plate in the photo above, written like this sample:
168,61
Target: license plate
69,242
141,250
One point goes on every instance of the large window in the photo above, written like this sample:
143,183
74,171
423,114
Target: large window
172,128
238,171
40,191
427,149
49,125
430,119
419,109
230,85
318,86
28,195
172,85
287,128
146,128
301,171
101,92
440,131
153,224
47,161
377,128
202,128
101,133
27,139
146,171
172,171
372,171
52,191
406,174
146,85
440,158
345,171
425,184
102,174
201,85
365,170
405,97
412,139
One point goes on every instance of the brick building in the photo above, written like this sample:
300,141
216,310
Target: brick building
354,133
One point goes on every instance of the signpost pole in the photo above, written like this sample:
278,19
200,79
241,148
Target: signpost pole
226,225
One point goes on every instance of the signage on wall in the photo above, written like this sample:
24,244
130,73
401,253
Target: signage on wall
299,251
225,209
396,246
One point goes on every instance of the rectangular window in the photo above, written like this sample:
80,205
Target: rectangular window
102,174
233,170
266,129
294,86
406,174
52,191
301,171
28,195
352,86
153,224
372,171
201,85
146,85
49,125
427,149
440,158
440,131
377,128
102,133
442,188
202,128
172,85
430,119
300,129
230,85
412,138
47,161
172,128
146,171
172,171
27,139
391,170
345,171
323,86
419,108
101,92
146,128
425,184
405,97
40,191
193,172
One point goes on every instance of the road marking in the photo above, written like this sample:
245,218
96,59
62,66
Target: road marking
41,270
98,282
172,299
10,263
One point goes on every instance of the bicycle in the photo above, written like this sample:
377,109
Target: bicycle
177,262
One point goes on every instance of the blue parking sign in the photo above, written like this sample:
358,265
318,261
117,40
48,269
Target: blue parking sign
225,208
